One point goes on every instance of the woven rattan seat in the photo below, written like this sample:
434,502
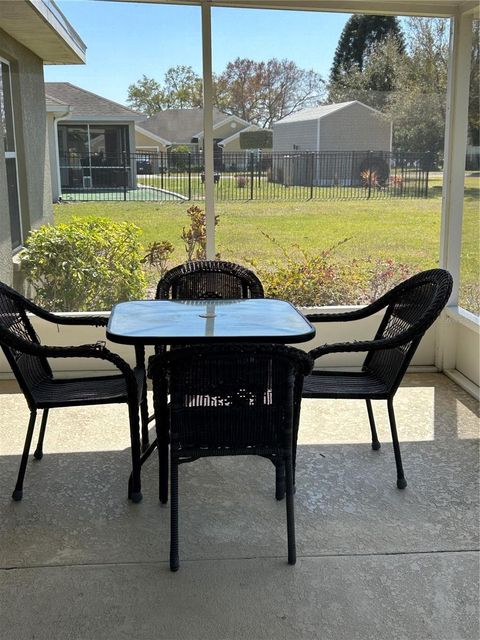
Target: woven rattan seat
84,391
349,384
29,360
409,310
228,400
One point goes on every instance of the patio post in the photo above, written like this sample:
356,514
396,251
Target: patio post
455,147
454,175
208,128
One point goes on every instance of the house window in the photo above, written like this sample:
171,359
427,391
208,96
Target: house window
92,155
8,133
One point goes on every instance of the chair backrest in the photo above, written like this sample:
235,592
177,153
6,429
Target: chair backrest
209,279
413,306
16,331
231,398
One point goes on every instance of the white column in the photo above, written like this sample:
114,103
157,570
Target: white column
455,147
208,128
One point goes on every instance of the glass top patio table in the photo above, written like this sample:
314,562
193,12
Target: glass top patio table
185,321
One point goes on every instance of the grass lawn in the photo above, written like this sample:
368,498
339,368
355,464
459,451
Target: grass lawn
406,230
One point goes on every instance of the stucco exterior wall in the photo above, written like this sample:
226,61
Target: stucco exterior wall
31,147
226,130
146,144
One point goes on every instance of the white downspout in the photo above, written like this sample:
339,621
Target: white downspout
208,128
63,116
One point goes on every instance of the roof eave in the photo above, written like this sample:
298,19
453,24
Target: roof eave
78,117
43,29
427,8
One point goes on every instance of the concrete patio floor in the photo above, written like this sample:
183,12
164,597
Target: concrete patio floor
78,561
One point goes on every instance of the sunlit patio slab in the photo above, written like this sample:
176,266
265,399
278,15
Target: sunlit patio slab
77,560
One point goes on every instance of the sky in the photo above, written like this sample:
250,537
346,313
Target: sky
127,40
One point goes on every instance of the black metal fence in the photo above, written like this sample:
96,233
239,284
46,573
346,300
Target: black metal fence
247,176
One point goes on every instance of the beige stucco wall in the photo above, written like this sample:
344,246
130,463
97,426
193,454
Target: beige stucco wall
226,130
146,144
234,145
31,146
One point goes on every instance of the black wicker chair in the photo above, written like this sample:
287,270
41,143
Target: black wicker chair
202,279
28,359
411,308
228,399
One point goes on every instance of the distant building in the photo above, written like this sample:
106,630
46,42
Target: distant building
312,138
91,140
184,127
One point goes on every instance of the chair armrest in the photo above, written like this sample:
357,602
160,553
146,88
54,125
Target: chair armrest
364,345
97,350
95,321
347,316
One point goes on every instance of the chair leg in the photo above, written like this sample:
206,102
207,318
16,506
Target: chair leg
160,399
38,454
375,443
140,363
292,554
401,482
135,483
144,421
279,479
18,491
174,557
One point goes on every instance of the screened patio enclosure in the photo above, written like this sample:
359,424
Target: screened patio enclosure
93,156
453,346
457,345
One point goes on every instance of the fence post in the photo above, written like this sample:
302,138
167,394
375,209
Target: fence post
251,176
429,166
312,164
189,175
162,169
125,174
369,174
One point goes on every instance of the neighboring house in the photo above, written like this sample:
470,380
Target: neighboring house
350,127
31,34
92,140
184,127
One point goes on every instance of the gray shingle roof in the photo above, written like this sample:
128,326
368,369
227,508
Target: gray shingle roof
84,103
315,113
178,125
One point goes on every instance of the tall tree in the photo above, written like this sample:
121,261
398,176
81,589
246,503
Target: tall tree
474,103
238,89
181,89
418,104
264,92
373,85
360,34
146,95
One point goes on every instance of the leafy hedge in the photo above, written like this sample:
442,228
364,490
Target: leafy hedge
87,264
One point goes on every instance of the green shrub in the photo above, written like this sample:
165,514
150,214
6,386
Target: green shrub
86,265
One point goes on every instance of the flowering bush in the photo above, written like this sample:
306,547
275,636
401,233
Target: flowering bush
307,279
